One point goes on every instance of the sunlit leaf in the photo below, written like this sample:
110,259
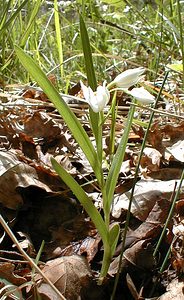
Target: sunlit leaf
83,198
176,67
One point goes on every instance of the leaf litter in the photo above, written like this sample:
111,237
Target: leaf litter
38,206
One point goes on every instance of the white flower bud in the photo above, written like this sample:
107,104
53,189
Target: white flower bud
128,78
142,95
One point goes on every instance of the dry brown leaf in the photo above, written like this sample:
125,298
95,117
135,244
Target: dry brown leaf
140,255
14,174
151,159
146,193
40,125
69,274
177,150
175,291
164,174
7,272
155,138
174,131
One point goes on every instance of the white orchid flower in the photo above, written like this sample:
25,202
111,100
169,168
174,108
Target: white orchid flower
128,78
97,100
142,95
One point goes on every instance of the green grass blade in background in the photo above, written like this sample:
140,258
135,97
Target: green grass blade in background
181,34
69,117
83,198
87,55
94,117
30,24
4,25
58,37
4,14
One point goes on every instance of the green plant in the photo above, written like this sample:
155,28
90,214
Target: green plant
109,234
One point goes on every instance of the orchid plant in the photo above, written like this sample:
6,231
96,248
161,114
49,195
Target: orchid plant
97,98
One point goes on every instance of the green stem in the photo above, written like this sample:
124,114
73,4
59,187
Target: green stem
105,207
118,159
114,110
105,262
99,138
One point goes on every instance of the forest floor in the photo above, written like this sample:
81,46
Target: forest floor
50,224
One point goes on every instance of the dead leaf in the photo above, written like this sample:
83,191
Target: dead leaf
151,159
15,174
7,272
69,274
146,193
40,125
155,138
175,290
177,150
164,174
174,131
140,255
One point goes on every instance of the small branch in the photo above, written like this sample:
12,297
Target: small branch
157,111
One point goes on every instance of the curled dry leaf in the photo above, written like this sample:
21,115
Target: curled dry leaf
7,272
177,150
14,174
140,255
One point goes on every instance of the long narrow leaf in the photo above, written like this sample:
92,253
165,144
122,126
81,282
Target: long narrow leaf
87,55
4,14
117,160
30,23
113,237
10,20
58,37
83,198
94,117
69,117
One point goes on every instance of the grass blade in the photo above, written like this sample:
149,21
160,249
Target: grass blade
58,37
94,117
113,237
10,20
30,24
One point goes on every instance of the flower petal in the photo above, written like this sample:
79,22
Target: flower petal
129,77
142,95
97,100
87,92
